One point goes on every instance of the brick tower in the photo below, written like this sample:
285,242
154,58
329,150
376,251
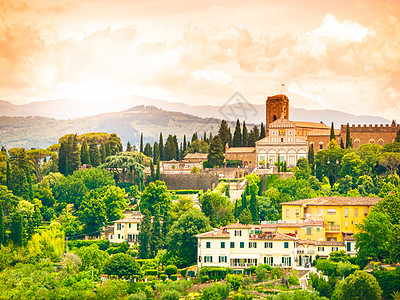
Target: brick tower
275,107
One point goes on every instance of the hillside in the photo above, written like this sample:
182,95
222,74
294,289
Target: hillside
41,132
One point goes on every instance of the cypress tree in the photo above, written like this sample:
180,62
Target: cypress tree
184,143
237,136
180,153
194,137
73,154
253,207
215,155
235,212
262,131
94,154
2,228
161,147
205,137
103,155
349,142
152,175
8,175
147,150
145,236
332,137
156,234
85,158
158,172
176,147
165,224
141,142
17,229
284,166
245,136
341,143
311,158
128,147
227,193
279,163
244,201
224,133
30,187
62,159
156,152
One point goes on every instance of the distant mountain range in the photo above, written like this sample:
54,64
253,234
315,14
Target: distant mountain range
41,123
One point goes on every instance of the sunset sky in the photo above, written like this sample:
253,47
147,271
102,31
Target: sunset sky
342,54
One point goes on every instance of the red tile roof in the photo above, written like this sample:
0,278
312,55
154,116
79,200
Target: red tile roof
335,201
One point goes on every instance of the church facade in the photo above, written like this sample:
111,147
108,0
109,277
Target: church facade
289,140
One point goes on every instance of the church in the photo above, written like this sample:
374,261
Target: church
289,140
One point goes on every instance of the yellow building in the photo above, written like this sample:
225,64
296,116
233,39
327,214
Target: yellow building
127,229
308,229
340,214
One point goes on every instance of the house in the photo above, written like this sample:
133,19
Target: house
340,214
240,246
127,229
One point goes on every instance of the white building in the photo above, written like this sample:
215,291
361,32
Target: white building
127,229
240,246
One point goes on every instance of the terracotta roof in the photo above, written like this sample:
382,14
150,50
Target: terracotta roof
129,220
281,122
237,225
196,156
283,237
217,233
311,125
241,150
320,243
349,238
335,201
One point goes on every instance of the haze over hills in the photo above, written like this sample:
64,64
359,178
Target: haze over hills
235,108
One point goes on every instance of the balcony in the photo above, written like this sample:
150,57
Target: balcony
242,265
307,251
332,228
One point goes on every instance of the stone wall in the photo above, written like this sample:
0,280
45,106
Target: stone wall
190,181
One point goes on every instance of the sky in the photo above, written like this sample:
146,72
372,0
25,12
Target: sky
342,54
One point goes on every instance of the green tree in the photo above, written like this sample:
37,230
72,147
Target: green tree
253,207
342,143
161,146
224,133
145,235
181,238
141,142
128,147
148,151
92,258
122,265
156,234
262,131
216,153
328,162
85,158
156,152
217,208
245,136
349,142
2,227
311,158
390,160
180,207
332,135
359,285
115,203
302,170
158,171
237,135
156,194
94,153
17,229
254,136
170,148
350,165
92,213
245,216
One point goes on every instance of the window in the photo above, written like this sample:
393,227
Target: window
137,226
222,259
346,212
282,131
348,248
297,213
356,223
267,244
309,230
365,212
241,244
345,224
335,248
119,236
286,261
238,233
208,259
321,249
281,140
321,146
232,244
208,244
269,260
119,226
252,244
286,245
356,212
130,225
318,229
287,213
331,211
222,244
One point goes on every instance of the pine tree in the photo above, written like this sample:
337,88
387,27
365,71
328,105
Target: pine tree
158,172
141,142
349,142
245,136
161,147
341,143
253,206
2,228
94,154
184,143
262,131
85,158
128,147
237,136
224,133
332,137
145,236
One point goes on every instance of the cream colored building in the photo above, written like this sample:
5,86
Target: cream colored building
127,229
241,246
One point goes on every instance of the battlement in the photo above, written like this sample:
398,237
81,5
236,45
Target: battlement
371,128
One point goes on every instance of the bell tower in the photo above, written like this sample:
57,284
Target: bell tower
276,107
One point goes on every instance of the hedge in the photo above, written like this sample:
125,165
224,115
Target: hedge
103,244
151,272
185,192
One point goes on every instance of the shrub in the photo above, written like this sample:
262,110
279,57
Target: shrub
252,270
173,277
293,280
216,291
151,272
171,269
137,296
163,277
204,278
235,281
170,295
261,273
276,272
244,296
183,272
389,281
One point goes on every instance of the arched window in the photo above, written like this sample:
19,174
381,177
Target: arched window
380,142
356,143
274,118
372,141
